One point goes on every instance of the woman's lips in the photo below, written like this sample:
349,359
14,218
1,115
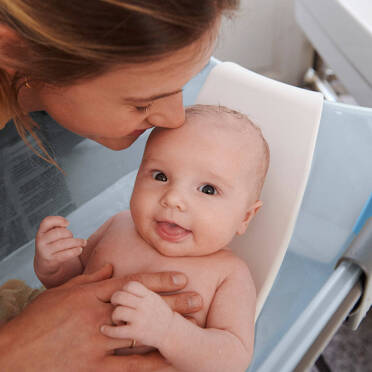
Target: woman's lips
171,231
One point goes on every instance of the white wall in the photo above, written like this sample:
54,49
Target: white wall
265,38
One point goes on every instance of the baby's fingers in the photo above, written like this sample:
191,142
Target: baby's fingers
64,244
191,319
123,315
51,222
68,254
125,298
54,235
118,331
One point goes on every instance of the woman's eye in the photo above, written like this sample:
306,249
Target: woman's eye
208,189
159,176
143,109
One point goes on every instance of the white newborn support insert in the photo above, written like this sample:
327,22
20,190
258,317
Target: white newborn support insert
289,118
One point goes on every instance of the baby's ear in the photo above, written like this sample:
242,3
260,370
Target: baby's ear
253,209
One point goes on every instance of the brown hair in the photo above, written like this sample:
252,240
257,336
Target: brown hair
62,42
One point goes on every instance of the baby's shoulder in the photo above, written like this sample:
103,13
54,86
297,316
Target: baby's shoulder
234,265
122,219
122,215
121,226
229,257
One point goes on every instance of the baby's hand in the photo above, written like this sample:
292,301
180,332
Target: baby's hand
55,244
146,316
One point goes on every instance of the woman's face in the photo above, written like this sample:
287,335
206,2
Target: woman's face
115,108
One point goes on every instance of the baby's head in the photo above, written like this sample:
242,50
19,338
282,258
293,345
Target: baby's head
199,185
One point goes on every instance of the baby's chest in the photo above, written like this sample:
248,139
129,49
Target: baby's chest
203,276
202,279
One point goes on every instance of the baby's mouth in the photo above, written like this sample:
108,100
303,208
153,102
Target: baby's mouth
171,231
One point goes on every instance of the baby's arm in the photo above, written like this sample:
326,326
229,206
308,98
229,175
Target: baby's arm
226,344
58,255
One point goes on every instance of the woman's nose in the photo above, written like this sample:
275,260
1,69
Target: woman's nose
167,112
173,199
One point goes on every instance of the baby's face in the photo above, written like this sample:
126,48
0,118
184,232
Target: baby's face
193,191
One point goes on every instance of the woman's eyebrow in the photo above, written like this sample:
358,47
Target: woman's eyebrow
151,98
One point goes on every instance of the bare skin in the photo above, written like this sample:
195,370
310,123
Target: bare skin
182,217
115,108
88,349
112,109
224,322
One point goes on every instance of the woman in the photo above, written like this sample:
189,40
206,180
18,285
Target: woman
106,70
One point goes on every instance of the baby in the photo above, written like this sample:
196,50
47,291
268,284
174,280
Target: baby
197,187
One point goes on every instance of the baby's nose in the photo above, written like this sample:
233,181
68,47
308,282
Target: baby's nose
173,199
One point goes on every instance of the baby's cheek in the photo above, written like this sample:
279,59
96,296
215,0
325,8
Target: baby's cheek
215,238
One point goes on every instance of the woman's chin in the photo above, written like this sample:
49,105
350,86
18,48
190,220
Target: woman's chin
115,144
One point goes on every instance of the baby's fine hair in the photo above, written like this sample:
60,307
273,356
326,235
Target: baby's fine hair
242,124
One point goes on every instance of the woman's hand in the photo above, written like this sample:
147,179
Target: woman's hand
60,330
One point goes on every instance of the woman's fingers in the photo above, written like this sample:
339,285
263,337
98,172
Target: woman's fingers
98,278
142,363
156,282
185,302
167,281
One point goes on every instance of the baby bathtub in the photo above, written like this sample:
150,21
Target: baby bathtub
308,290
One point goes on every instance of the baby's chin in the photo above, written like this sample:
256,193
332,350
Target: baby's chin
173,251
170,249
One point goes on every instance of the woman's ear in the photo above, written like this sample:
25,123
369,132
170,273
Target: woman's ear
248,217
8,39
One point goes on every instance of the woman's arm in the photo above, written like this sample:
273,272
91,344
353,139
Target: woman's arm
226,344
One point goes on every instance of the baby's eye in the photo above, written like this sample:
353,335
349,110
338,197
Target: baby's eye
208,189
159,176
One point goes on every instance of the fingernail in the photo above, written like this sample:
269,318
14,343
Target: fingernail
103,328
178,279
194,301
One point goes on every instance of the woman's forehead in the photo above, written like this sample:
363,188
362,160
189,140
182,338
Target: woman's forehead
196,54
143,81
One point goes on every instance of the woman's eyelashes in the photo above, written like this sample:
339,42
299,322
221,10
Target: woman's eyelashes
143,109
